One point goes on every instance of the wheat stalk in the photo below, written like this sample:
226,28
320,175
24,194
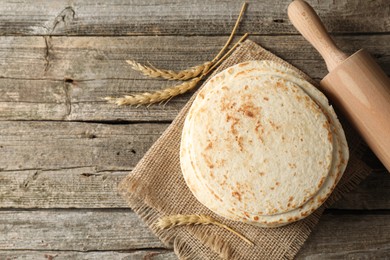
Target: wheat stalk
153,72
243,8
192,72
149,98
185,220
155,97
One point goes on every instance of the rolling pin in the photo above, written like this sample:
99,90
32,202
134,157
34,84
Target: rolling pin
355,84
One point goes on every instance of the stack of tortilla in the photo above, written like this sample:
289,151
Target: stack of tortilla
261,145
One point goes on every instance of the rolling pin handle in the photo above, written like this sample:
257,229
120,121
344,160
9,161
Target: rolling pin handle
306,21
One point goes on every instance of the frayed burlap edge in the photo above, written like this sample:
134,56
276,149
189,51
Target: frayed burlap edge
205,242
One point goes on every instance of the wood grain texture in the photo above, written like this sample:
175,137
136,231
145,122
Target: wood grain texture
87,187
86,230
148,254
65,78
349,236
79,230
214,17
65,145
63,188
79,165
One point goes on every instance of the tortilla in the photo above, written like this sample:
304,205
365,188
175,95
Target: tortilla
261,145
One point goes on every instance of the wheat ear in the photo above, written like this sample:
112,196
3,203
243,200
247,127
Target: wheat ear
155,97
192,72
185,220
149,98
153,72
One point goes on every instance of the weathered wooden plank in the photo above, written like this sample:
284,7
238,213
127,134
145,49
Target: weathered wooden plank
80,230
121,17
122,230
99,58
64,145
157,254
372,193
78,165
373,254
88,188
63,188
349,236
68,79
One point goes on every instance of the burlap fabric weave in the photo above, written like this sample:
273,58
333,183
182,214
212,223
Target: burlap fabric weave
156,188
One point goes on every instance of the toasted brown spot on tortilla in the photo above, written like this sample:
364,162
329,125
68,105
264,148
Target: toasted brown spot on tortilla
246,87
261,173
208,161
272,188
261,132
281,85
330,137
225,88
321,200
266,98
215,195
291,198
243,64
221,162
249,113
237,195
235,121
277,183
203,109
227,105
209,145
249,109
246,214
255,218
304,214
292,165
212,175
326,125
230,71
241,73
275,126
321,182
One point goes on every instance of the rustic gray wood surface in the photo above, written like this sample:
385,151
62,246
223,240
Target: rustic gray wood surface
63,150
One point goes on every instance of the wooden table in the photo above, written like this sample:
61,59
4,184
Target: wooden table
63,149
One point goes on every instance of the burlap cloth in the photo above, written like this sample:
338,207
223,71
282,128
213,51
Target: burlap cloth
156,188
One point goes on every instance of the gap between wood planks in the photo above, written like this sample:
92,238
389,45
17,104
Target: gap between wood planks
328,211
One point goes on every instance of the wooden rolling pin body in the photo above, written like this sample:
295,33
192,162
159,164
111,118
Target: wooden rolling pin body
356,84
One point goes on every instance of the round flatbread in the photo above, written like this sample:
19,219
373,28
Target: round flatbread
262,145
